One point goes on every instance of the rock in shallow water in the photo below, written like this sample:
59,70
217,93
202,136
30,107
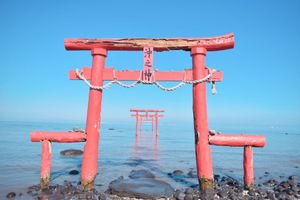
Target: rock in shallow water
177,173
11,195
141,188
71,152
141,174
74,172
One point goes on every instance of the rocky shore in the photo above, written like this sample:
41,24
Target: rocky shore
142,184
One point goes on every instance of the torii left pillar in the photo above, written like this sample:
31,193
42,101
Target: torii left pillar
90,155
202,148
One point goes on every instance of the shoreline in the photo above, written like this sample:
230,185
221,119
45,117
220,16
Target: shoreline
225,188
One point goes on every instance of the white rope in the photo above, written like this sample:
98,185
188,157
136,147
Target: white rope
79,73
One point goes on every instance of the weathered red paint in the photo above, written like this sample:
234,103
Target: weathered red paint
248,167
237,140
90,155
108,75
159,44
38,136
202,149
45,164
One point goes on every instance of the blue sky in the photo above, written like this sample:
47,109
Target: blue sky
261,74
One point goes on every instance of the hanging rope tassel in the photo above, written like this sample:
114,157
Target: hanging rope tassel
213,88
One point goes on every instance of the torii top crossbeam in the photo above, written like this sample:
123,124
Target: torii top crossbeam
158,44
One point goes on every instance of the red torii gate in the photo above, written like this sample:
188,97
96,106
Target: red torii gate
198,76
140,114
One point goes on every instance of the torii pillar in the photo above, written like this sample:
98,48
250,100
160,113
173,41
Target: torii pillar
202,148
90,154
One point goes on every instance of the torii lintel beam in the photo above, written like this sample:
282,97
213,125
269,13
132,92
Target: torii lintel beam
126,75
159,44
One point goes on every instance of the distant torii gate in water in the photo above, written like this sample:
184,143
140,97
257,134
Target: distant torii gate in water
150,115
197,76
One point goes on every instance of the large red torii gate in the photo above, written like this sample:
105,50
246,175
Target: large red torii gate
198,76
149,115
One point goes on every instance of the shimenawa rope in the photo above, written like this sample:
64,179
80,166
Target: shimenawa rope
79,73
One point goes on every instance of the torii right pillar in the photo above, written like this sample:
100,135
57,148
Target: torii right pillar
202,148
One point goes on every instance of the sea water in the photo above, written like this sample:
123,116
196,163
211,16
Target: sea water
120,151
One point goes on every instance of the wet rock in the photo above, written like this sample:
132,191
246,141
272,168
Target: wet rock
223,194
141,174
285,185
292,177
140,188
271,182
104,196
177,173
289,192
189,191
71,152
179,195
78,130
74,172
43,197
192,174
11,195
79,187
188,197
217,177
251,193
271,196
207,194
282,196
279,189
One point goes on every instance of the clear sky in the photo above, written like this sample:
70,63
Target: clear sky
261,74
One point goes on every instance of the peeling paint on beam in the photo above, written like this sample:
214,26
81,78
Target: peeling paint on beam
159,44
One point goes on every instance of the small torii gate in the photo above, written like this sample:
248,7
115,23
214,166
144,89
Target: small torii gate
147,115
198,76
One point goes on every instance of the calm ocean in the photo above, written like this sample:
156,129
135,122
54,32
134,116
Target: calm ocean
120,152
